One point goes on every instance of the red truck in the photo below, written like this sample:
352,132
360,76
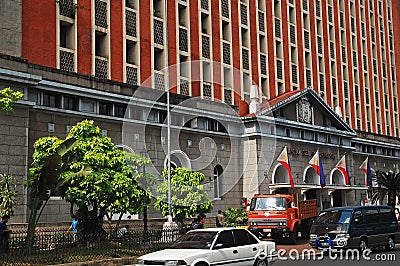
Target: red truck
281,216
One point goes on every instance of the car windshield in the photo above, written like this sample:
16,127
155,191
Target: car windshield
333,217
195,239
268,204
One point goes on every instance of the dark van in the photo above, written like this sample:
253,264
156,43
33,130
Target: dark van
359,227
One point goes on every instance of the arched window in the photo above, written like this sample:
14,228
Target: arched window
217,181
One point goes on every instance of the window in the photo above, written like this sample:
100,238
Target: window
372,216
302,136
217,181
243,238
226,239
387,216
358,217
105,108
51,100
71,103
287,132
119,110
88,106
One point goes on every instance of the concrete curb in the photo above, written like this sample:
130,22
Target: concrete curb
104,262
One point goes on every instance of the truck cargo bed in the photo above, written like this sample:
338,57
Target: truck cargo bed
308,209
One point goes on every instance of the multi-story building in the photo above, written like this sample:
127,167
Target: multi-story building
85,58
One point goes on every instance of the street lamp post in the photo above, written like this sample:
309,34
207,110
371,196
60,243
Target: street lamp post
145,229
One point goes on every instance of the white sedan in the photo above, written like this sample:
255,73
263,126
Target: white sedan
214,246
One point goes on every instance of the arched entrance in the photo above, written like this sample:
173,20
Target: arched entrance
218,170
280,175
337,177
311,176
178,159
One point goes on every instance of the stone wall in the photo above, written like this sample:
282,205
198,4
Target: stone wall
11,27
14,153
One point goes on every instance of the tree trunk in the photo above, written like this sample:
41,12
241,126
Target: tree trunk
30,237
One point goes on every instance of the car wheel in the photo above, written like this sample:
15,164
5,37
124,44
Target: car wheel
201,264
390,244
363,245
260,262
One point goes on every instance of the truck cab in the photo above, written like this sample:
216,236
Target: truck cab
279,216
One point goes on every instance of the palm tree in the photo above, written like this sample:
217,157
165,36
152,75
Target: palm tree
388,185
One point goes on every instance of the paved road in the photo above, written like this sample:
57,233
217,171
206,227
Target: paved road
301,254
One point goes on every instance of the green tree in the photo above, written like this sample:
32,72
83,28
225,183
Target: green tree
131,200
8,98
388,185
188,195
235,216
111,184
8,195
50,159
88,171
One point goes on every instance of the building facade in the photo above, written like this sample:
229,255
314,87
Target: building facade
237,70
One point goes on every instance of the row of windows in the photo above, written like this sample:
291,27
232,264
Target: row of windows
74,103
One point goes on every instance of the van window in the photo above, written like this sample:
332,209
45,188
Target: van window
333,217
387,215
359,216
372,216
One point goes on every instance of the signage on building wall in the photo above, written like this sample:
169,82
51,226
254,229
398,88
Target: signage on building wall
325,155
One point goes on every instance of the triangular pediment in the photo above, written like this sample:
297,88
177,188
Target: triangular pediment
304,107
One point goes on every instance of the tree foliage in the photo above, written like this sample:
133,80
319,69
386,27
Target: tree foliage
8,98
235,216
89,172
111,184
8,195
188,195
388,185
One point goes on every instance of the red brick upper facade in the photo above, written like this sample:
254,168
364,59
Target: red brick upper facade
345,49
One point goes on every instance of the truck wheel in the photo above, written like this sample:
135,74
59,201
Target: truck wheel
260,262
293,236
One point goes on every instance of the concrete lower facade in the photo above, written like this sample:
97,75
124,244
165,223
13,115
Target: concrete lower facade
236,154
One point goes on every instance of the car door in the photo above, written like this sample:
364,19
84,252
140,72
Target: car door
224,250
247,247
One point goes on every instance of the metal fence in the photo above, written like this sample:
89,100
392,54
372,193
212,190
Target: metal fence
59,245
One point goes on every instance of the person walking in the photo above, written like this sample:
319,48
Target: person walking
4,234
201,220
74,228
219,219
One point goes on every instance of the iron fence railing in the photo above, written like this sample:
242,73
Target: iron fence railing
58,245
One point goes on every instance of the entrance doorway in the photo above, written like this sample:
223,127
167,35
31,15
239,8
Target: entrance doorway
337,198
311,194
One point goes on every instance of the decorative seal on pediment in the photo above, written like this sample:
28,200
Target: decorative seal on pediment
304,111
